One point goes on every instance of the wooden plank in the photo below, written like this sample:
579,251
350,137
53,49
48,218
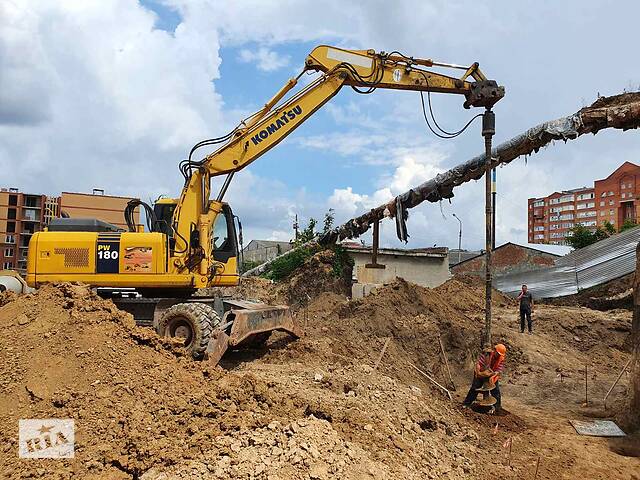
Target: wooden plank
384,349
428,377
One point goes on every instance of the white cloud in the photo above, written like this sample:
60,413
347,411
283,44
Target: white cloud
411,169
265,59
124,101
93,96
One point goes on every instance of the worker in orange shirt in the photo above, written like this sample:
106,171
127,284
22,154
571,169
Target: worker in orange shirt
489,365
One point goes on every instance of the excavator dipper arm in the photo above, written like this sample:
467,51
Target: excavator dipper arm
364,70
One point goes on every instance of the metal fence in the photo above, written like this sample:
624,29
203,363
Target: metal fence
599,263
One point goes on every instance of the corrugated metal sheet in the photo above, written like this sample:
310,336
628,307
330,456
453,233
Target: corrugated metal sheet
593,265
544,283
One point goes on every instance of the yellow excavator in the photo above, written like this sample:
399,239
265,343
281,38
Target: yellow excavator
191,242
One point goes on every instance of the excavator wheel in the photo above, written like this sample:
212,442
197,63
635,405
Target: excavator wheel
192,321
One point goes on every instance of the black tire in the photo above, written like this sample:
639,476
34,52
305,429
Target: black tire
192,321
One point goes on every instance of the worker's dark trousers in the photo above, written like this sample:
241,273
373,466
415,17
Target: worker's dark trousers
473,393
525,312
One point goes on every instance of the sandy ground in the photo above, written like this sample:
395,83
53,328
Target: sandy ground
314,408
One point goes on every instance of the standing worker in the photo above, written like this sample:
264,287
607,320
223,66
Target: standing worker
489,365
526,308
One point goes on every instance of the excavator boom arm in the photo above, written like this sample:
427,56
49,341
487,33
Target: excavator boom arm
364,70
356,68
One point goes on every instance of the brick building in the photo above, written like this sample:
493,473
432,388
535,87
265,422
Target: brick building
617,196
509,258
612,199
23,214
107,208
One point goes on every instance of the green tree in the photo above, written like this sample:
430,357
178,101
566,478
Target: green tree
328,221
581,237
628,223
609,228
600,234
307,234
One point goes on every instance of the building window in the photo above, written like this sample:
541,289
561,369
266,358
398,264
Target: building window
612,202
7,265
30,215
8,252
586,196
13,200
610,194
602,204
586,214
611,212
603,213
603,194
624,195
539,203
11,227
582,206
10,239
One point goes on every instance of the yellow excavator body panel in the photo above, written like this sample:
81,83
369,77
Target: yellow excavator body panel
112,259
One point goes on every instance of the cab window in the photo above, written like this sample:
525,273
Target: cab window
220,233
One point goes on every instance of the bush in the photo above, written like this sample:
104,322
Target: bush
282,267
343,263
628,223
248,265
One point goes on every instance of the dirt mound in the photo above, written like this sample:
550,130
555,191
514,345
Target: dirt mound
413,317
250,288
137,400
608,296
466,293
144,409
329,405
317,275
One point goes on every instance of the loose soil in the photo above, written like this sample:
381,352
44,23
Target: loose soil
320,407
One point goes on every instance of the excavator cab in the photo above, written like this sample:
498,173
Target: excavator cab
163,209
224,238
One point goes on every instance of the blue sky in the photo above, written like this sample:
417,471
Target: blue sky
113,95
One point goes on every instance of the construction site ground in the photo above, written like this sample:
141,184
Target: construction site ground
317,407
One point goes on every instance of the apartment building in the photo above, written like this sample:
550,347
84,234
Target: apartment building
551,218
23,214
613,199
107,208
618,195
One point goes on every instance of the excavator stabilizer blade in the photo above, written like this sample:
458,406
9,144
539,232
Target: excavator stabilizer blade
217,346
249,323
259,319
